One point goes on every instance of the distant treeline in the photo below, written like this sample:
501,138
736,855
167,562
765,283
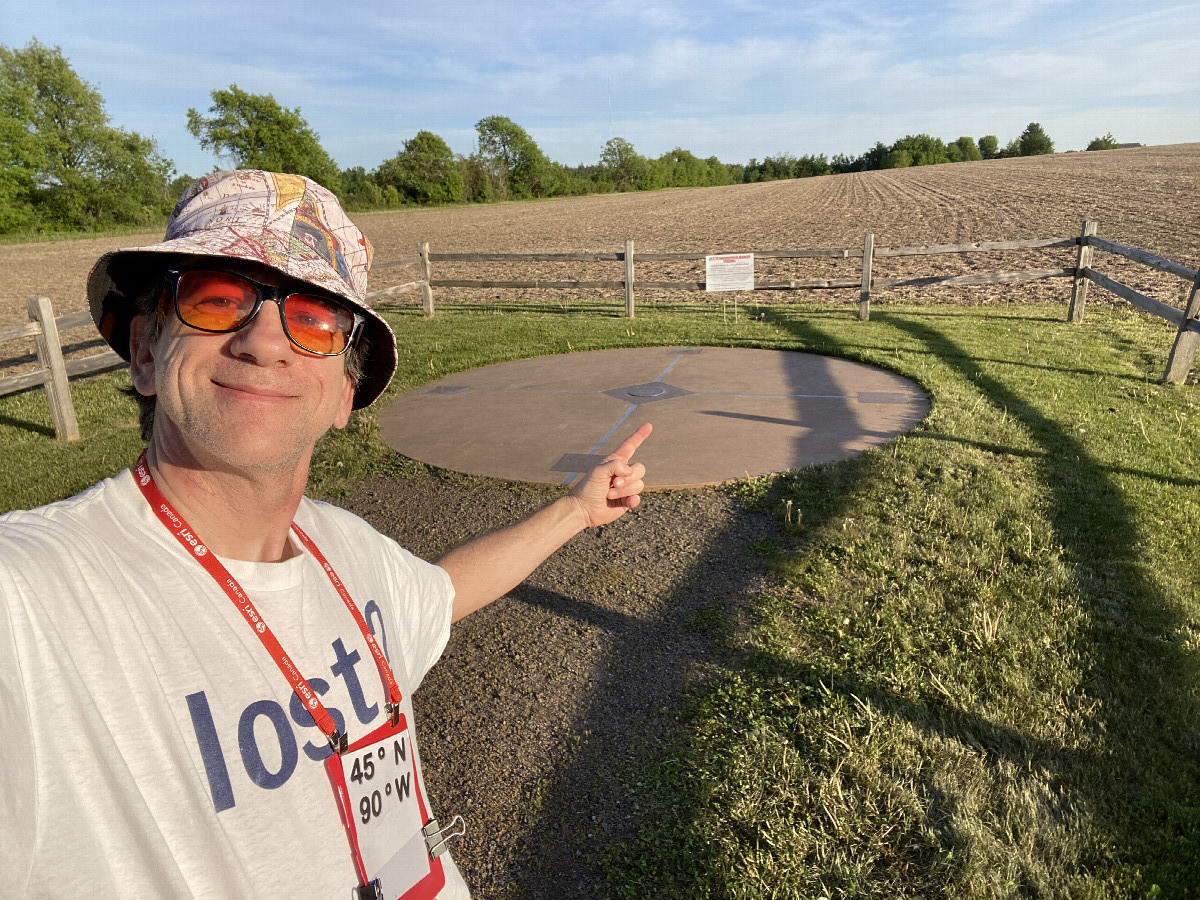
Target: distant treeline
509,164
65,167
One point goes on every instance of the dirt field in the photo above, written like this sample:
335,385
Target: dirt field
1146,197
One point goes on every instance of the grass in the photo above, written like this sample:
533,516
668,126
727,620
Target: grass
43,237
977,672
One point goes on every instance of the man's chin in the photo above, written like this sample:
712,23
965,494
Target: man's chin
250,450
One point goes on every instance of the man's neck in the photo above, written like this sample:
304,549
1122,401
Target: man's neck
238,514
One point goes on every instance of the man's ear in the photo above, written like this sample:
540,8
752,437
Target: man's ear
141,357
343,416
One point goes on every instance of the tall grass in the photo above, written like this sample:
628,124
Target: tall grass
976,672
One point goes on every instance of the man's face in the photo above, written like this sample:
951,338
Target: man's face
248,400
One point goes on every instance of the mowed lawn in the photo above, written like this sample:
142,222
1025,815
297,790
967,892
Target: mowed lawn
976,672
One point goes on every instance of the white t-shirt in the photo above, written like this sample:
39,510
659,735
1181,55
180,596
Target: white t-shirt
150,745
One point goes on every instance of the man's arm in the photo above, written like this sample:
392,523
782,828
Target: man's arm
490,566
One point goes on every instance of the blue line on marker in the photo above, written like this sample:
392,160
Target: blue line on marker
607,435
667,370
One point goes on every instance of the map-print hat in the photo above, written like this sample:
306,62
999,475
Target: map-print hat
287,222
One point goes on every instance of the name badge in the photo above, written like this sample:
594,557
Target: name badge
379,799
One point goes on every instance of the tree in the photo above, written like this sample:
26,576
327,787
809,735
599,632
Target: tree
810,166
1011,149
423,172
255,132
842,163
513,157
628,169
1108,142
967,150
784,166
62,165
22,156
1034,141
130,182
682,168
989,146
916,150
873,158
359,190
480,183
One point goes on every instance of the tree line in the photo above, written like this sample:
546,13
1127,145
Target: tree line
65,167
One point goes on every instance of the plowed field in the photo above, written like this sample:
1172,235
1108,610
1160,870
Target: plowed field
1146,197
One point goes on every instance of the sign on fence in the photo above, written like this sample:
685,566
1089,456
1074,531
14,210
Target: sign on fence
730,272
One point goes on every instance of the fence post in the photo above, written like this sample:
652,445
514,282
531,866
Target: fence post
1183,352
629,279
49,354
426,288
1082,261
864,294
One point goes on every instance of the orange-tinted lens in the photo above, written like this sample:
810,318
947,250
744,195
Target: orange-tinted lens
317,323
215,301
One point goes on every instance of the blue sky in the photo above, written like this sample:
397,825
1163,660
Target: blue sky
731,78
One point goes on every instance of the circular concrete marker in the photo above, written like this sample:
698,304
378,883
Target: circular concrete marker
719,414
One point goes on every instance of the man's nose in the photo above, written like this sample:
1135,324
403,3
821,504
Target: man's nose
264,337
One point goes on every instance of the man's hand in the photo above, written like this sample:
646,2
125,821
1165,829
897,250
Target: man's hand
615,485
492,565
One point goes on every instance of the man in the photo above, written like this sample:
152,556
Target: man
205,677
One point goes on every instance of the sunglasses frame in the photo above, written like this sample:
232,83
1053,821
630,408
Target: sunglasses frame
265,292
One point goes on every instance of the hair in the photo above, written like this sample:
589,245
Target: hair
151,304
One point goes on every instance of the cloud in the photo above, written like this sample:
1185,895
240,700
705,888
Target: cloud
735,78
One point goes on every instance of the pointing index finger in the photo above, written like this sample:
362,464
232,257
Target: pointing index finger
627,449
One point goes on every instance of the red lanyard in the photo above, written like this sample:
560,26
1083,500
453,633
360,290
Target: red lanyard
191,543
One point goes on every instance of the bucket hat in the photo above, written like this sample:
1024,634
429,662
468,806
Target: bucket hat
287,222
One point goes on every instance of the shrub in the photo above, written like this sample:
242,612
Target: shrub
1108,142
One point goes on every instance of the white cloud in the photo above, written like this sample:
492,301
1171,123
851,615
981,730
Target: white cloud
734,78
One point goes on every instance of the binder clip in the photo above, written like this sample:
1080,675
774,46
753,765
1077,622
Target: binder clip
436,838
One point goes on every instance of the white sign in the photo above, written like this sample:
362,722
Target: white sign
729,272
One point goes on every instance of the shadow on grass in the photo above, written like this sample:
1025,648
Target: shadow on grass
26,425
1142,784
619,815
1002,450
1137,782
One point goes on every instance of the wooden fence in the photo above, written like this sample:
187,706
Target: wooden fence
52,372
1187,320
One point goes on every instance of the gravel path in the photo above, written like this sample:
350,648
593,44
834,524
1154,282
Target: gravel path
543,698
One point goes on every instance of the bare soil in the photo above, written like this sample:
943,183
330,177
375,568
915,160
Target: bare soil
1145,197
544,700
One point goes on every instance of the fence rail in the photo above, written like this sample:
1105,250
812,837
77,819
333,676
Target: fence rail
53,371
1182,354
865,283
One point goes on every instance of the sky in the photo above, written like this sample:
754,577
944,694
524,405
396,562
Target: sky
735,79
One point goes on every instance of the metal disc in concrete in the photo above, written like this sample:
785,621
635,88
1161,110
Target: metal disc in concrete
719,414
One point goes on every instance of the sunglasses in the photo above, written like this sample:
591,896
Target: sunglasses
220,302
